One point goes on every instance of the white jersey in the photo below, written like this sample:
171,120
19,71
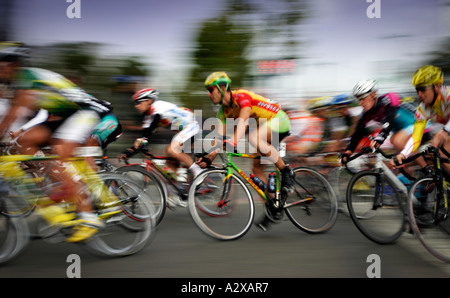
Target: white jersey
172,115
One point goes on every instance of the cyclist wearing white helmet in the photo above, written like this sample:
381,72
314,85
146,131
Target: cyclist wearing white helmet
383,110
162,113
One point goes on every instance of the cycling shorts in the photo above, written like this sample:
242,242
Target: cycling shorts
76,128
280,123
187,132
107,131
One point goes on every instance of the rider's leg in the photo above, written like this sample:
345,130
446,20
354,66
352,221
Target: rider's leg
32,139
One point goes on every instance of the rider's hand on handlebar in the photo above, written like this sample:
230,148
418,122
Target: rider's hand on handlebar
203,162
439,139
397,160
345,156
122,156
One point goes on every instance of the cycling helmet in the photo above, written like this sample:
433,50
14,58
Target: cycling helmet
13,51
145,94
217,78
427,75
341,100
363,88
318,103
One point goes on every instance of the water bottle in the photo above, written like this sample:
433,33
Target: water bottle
272,183
258,182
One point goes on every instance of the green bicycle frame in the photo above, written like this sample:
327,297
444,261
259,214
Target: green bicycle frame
230,165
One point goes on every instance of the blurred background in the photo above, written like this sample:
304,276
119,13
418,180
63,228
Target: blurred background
288,50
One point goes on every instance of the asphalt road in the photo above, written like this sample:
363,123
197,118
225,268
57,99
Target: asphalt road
180,250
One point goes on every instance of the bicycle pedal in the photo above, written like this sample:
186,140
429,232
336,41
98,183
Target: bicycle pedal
274,214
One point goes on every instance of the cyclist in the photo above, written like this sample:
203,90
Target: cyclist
241,105
107,131
384,110
310,138
162,113
343,118
73,115
434,106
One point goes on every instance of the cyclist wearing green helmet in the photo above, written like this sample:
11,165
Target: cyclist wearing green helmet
241,105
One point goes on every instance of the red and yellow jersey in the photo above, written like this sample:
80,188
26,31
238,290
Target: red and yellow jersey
262,108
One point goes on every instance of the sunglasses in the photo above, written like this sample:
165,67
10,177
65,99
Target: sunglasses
363,97
422,89
210,89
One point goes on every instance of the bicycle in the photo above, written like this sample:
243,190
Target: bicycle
428,208
221,204
152,176
338,175
376,199
124,209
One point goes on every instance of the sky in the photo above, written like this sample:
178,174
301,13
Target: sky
340,43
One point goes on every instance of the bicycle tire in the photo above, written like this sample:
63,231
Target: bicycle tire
381,224
14,232
132,227
151,184
339,178
312,207
221,216
433,232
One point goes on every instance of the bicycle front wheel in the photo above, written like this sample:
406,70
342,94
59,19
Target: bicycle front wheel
376,207
129,226
312,207
149,184
339,178
221,206
14,231
429,218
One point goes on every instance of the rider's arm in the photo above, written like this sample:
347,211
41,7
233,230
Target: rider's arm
218,141
357,135
39,118
150,128
242,123
22,98
416,138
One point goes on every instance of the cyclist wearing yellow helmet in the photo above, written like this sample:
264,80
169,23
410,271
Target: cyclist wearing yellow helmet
434,106
241,105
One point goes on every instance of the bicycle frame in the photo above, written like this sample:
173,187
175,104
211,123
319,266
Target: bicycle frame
11,170
442,177
230,166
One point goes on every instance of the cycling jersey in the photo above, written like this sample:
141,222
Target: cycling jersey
166,114
386,110
261,109
58,95
438,113
76,112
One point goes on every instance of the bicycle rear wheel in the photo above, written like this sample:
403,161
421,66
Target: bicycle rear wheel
429,219
221,208
149,184
376,207
129,226
312,207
